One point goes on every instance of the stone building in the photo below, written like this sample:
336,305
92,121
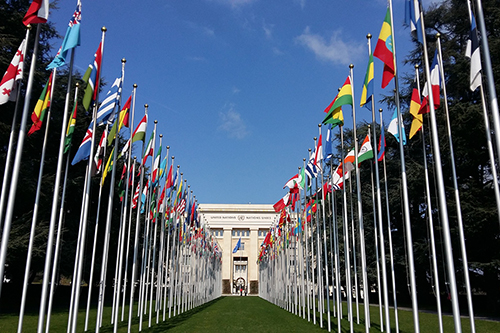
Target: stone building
230,223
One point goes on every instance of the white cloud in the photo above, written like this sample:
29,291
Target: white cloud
235,3
197,59
232,124
268,30
302,3
235,90
334,50
208,31
277,51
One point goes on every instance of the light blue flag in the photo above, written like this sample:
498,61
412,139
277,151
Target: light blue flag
237,247
394,127
71,39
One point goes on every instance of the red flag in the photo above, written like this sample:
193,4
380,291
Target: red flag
282,203
170,181
37,13
436,88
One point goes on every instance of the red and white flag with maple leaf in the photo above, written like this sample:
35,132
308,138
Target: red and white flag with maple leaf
14,72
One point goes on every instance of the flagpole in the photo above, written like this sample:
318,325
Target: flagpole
430,220
389,234
457,195
489,74
86,197
336,256
126,206
442,203
379,211
59,234
354,255
406,204
35,208
306,236
360,214
129,232
17,161
94,246
11,148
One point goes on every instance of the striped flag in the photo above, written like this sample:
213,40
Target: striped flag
105,111
334,110
70,129
92,77
367,93
412,18
38,12
474,54
384,50
41,107
84,150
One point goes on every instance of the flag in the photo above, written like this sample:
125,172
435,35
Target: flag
169,183
140,131
412,18
394,127
99,156
144,193
163,168
367,93
105,111
71,39
381,145
282,203
342,171
13,73
366,150
156,165
418,119
149,149
109,165
329,143
70,129
136,195
384,50
294,182
312,167
474,54
38,12
237,247
436,87
120,122
92,77
41,107
84,150
344,97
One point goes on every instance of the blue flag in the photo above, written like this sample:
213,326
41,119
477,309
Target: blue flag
71,39
237,247
83,152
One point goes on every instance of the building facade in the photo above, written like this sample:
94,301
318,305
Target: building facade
240,231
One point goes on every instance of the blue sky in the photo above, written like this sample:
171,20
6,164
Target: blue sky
238,86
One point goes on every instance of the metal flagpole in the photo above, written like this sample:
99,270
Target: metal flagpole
35,209
457,194
379,216
354,256
336,256
11,148
327,281
17,161
306,237
128,207
123,218
87,199
360,214
389,235
450,266
406,204
489,73
59,236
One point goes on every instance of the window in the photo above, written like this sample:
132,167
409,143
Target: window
242,246
238,233
234,233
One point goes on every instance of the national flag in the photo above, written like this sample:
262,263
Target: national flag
344,97
169,183
163,167
313,167
109,165
237,247
105,111
83,152
71,39
394,127
474,54
282,203
70,129
13,73
342,172
156,165
412,18
140,131
121,121
99,155
367,93
92,77
384,50
381,145
418,119
329,144
318,155
149,149
136,195
294,182
436,87
366,150
41,107
144,194
38,12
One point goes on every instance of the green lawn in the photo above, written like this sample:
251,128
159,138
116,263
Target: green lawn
241,314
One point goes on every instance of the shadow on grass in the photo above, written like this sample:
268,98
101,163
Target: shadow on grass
169,323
